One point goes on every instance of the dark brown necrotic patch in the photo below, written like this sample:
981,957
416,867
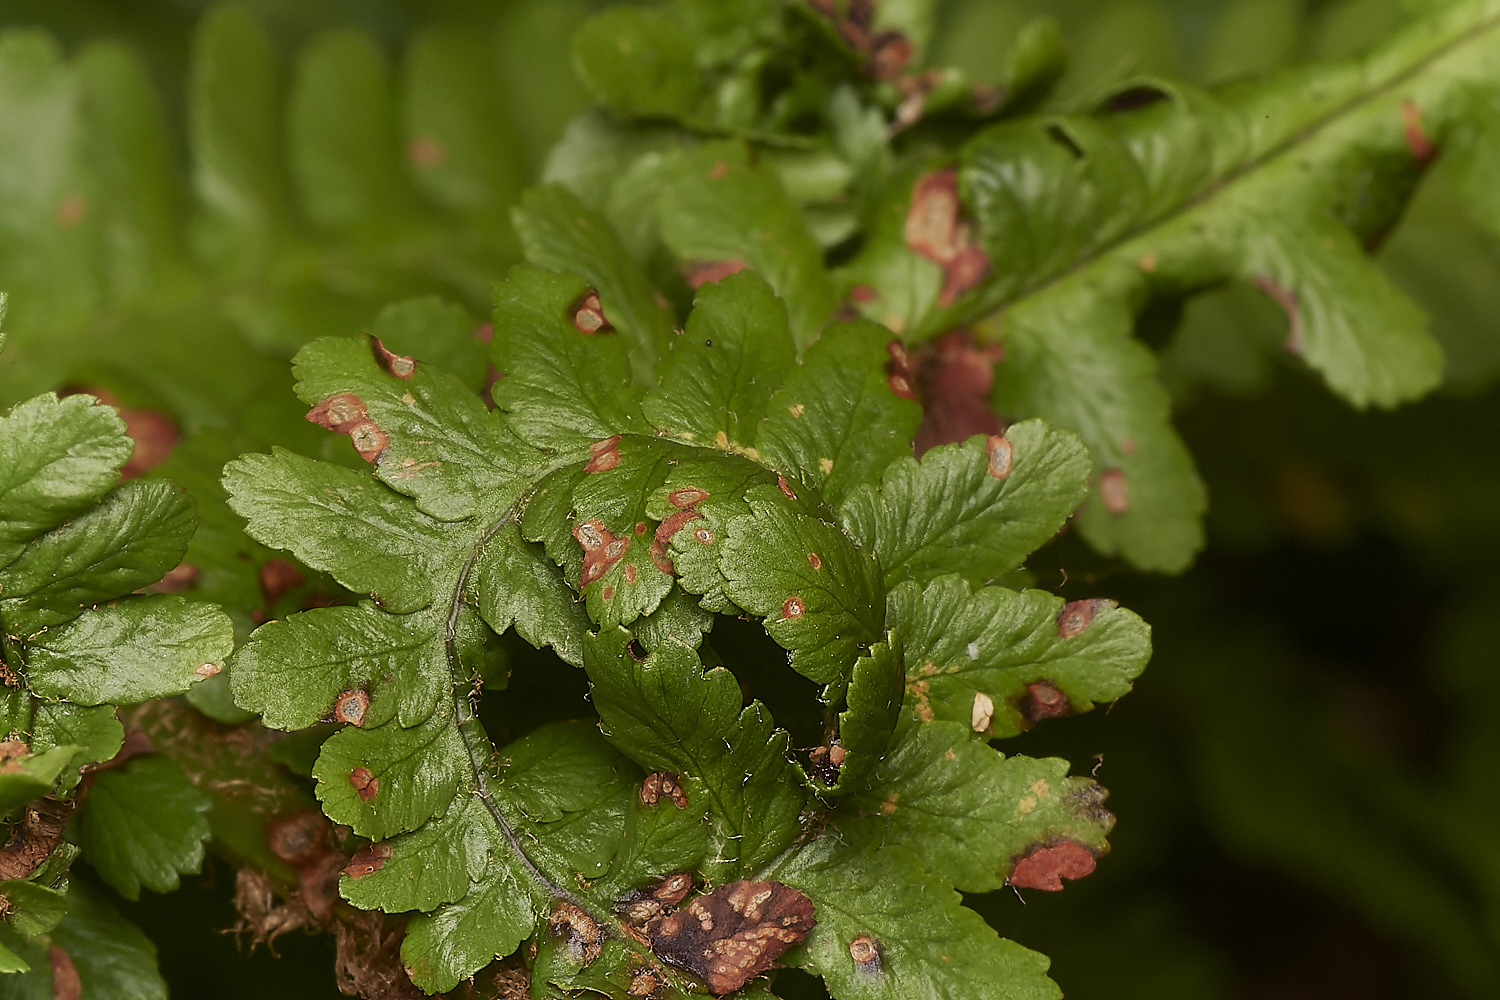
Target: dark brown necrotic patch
735,933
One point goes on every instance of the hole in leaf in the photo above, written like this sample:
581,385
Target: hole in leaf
760,665
1060,136
1140,96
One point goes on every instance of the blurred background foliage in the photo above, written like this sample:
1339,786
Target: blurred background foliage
1303,775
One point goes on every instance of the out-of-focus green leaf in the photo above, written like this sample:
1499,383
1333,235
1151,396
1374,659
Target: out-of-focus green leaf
144,824
723,210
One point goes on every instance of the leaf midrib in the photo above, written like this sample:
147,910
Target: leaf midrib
1477,34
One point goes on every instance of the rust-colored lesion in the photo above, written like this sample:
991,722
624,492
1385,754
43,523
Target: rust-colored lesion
346,413
588,315
935,229
1076,616
1044,866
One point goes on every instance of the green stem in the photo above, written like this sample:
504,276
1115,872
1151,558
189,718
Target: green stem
476,742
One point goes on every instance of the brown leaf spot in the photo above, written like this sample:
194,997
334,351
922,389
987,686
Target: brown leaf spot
426,152
368,860
70,211
890,53
340,413
178,579
718,171
365,783
689,496
1422,149
207,670
1000,453
277,576
1044,867
1076,615
673,889
154,434
866,954
703,536
814,560
900,377
588,315
591,534
398,365
953,378
581,934
707,272
967,269
785,487
608,592
1043,701
297,838
65,982
663,784
931,228
735,933
793,607
644,982
664,533
603,455
630,573
1287,300
33,838
1114,491
601,550
345,414
350,707
934,230
370,441
982,713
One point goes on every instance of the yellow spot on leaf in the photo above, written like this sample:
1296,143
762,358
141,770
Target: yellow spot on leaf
1026,805
826,464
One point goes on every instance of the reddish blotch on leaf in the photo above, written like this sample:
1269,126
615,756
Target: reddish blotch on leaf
1077,615
1044,867
398,365
366,785
368,860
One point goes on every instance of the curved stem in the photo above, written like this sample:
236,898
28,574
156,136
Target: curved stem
476,743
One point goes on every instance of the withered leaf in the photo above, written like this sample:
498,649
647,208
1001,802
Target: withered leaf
734,933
